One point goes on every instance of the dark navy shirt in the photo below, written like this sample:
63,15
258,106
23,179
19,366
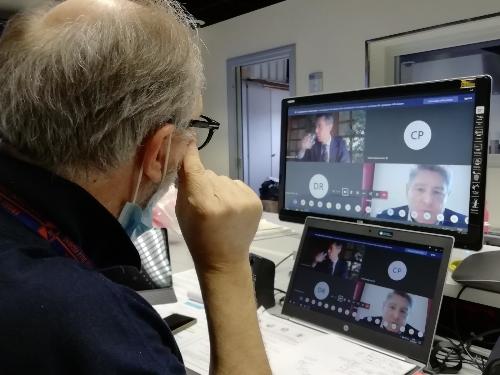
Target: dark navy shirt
58,316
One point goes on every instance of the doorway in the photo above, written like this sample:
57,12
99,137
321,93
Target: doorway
256,85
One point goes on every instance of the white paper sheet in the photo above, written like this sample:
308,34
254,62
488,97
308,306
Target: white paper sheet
268,229
280,336
193,342
292,349
333,355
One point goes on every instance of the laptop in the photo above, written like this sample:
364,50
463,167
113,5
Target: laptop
381,287
154,251
154,280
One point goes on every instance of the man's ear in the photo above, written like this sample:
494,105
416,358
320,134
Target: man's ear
155,148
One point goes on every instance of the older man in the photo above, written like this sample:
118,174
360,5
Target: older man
95,98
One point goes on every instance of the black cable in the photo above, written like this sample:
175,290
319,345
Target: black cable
449,330
458,353
468,343
445,358
448,358
463,346
279,291
481,335
458,346
285,258
474,359
455,308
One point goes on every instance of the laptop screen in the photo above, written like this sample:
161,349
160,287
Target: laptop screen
405,156
383,290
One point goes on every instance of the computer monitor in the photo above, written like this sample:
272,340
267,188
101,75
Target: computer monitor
409,156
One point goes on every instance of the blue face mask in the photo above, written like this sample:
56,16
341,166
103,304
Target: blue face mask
134,219
131,219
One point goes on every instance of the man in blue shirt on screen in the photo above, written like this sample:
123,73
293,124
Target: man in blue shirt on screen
427,191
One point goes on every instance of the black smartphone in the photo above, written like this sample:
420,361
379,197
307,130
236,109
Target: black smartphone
178,322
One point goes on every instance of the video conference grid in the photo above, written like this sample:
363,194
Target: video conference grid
458,221
332,302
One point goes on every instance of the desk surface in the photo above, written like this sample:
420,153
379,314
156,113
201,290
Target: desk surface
277,248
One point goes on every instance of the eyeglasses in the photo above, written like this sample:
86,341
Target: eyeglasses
206,124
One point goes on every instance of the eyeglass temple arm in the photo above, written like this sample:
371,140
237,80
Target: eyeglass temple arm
209,137
210,120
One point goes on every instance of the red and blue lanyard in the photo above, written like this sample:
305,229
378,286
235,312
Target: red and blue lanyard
46,230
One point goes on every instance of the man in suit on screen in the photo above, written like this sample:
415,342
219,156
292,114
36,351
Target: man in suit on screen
330,261
323,146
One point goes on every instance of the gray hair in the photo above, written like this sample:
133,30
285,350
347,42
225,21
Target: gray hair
443,172
328,117
402,295
83,95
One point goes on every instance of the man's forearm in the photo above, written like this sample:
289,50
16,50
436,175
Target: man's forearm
235,339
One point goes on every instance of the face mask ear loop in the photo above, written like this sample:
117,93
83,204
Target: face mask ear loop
167,156
138,183
164,173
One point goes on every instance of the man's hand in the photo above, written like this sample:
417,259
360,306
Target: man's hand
307,142
320,257
218,216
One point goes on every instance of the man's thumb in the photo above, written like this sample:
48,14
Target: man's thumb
191,164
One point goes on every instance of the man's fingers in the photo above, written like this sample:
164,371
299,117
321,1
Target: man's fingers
243,185
191,163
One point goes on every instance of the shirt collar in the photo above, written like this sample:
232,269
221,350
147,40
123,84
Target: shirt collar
328,143
74,211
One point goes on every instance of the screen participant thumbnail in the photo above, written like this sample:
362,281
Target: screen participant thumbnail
329,260
425,132
424,194
338,259
324,188
331,137
394,312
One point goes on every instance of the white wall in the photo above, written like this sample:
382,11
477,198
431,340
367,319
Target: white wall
329,36
18,4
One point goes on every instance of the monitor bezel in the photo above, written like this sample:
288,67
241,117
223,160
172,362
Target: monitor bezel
414,351
473,239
